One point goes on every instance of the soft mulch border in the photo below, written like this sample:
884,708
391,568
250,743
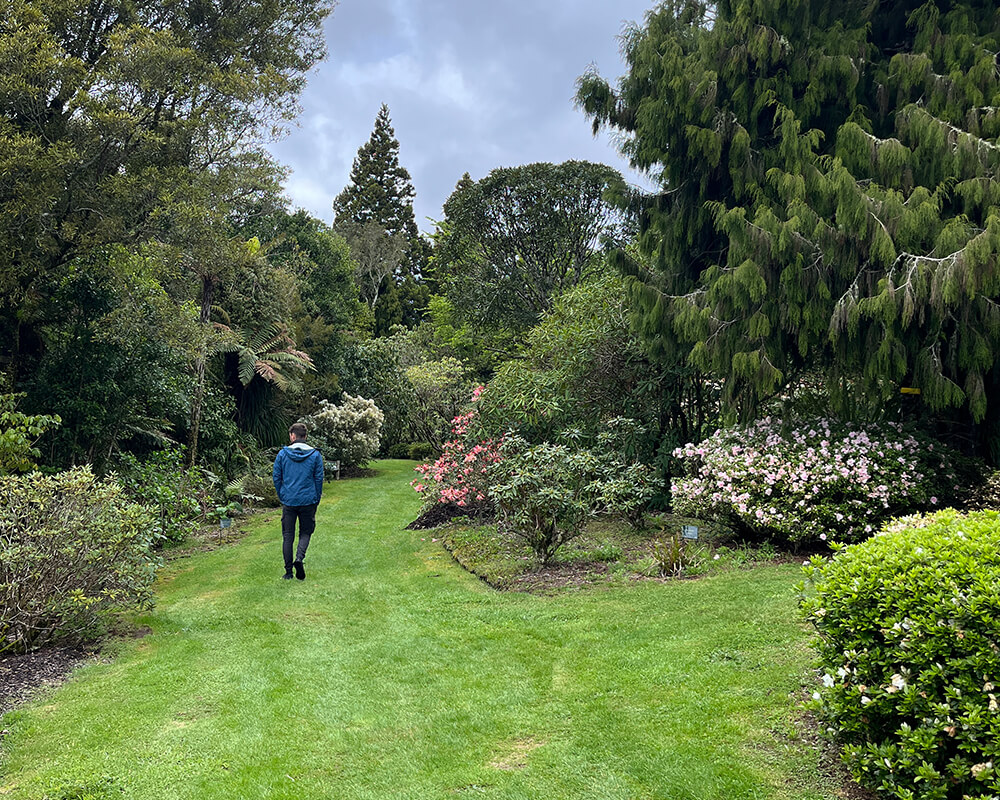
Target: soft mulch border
22,675
443,513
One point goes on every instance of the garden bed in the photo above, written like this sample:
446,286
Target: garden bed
23,674
608,552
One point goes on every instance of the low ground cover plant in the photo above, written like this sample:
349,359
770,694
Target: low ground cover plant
72,549
906,629
805,480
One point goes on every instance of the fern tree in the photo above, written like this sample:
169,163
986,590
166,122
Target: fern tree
265,364
829,193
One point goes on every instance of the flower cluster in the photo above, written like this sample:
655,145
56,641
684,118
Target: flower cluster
350,432
805,479
459,475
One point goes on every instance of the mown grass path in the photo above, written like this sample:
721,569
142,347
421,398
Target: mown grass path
392,673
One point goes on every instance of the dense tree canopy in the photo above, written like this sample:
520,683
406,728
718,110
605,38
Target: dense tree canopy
830,192
130,161
513,241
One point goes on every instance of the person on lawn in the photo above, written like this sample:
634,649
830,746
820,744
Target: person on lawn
298,479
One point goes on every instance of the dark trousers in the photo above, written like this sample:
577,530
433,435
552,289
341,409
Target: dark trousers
306,515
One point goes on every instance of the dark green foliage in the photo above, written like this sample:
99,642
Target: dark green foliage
517,239
320,293
18,435
72,549
906,626
111,114
177,497
110,360
419,451
830,193
130,149
374,212
228,450
584,365
374,369
414,451
309,249
986,497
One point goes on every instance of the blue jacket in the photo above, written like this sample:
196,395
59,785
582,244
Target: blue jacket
298,475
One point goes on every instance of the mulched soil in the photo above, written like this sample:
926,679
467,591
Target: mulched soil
22,675
442,513
559,576
212,537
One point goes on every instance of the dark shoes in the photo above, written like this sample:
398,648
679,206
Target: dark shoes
300,571
287,576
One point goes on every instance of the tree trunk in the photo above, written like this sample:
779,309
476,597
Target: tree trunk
207,292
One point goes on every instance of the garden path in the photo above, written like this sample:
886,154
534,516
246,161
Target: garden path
391,673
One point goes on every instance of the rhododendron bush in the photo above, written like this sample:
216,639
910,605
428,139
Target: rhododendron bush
459,475
546,493
807,480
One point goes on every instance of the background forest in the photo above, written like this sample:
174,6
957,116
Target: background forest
826,235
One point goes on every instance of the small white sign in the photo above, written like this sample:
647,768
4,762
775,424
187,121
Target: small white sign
689,531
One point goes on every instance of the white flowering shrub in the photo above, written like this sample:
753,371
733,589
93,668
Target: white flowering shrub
808,480
349,432
907,633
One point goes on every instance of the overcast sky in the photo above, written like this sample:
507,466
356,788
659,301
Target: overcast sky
471,85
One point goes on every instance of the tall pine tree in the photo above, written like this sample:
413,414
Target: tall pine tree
830,192
377,206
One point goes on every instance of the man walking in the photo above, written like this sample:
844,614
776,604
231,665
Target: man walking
298,479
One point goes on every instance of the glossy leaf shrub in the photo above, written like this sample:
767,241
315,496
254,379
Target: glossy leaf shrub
72,549
908,635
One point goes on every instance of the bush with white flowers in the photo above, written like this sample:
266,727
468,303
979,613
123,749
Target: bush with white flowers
804,480
907,628
349,432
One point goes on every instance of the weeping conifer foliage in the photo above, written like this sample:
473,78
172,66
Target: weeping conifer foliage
831,192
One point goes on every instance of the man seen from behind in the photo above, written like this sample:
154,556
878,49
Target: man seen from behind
298,479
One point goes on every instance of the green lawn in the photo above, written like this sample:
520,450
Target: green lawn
392,673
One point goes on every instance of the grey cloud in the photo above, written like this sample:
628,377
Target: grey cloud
471,86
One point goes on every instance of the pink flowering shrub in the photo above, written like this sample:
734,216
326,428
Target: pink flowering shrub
811,480
459,475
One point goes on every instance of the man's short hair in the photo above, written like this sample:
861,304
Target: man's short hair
298,430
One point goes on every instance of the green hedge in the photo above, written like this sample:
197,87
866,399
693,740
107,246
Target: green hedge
908,628
72,549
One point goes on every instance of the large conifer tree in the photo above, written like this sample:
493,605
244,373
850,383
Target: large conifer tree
380,193
830,191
